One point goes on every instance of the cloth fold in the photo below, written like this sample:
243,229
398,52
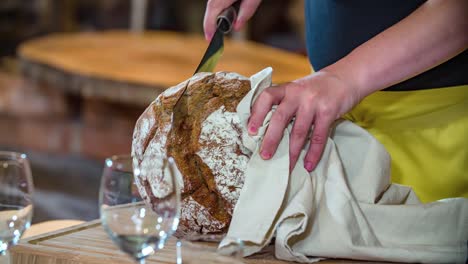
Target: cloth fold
346,208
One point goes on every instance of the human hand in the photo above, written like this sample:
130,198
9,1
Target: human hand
215,7
316,100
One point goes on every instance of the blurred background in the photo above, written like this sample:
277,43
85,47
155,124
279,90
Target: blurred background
67,131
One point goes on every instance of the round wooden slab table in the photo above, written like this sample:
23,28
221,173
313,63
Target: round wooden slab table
127,67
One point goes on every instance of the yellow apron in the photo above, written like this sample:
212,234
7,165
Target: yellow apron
426,134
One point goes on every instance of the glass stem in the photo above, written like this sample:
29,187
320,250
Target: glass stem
179,251
142,261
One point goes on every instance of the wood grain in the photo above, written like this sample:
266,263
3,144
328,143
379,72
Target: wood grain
89,244
122,65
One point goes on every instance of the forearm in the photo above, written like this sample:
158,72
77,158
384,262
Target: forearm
431,35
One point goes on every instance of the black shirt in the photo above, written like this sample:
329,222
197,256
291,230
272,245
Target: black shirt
335,27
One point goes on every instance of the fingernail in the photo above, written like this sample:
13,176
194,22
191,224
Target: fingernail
265,155
252,130
309,166
237,23
207,36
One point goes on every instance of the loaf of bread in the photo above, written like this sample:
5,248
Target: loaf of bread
203,134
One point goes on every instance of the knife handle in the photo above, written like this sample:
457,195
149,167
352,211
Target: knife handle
225,20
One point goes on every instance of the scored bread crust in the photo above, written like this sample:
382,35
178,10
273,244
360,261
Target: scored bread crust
204,136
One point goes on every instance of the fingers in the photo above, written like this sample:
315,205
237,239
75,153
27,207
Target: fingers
262,105
315,101
307,112
246,11
279,120
299,133
213,9
322,123
281,117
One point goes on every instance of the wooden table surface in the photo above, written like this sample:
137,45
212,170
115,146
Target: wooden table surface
89,244
116,63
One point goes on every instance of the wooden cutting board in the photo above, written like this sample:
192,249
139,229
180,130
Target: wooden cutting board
89,244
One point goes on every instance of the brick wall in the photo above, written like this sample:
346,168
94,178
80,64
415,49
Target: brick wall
34,116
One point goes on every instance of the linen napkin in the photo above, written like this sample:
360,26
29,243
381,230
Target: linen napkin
346,208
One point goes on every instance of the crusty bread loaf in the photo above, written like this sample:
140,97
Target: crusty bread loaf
203,135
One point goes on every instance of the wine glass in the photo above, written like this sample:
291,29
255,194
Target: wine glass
16,206
138,221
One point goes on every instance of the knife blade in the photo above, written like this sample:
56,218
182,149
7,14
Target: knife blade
224,24
215,49
213,53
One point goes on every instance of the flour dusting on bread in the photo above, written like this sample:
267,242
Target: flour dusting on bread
204,136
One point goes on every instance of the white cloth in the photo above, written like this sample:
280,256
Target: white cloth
345,208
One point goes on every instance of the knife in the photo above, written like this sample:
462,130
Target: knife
215,49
